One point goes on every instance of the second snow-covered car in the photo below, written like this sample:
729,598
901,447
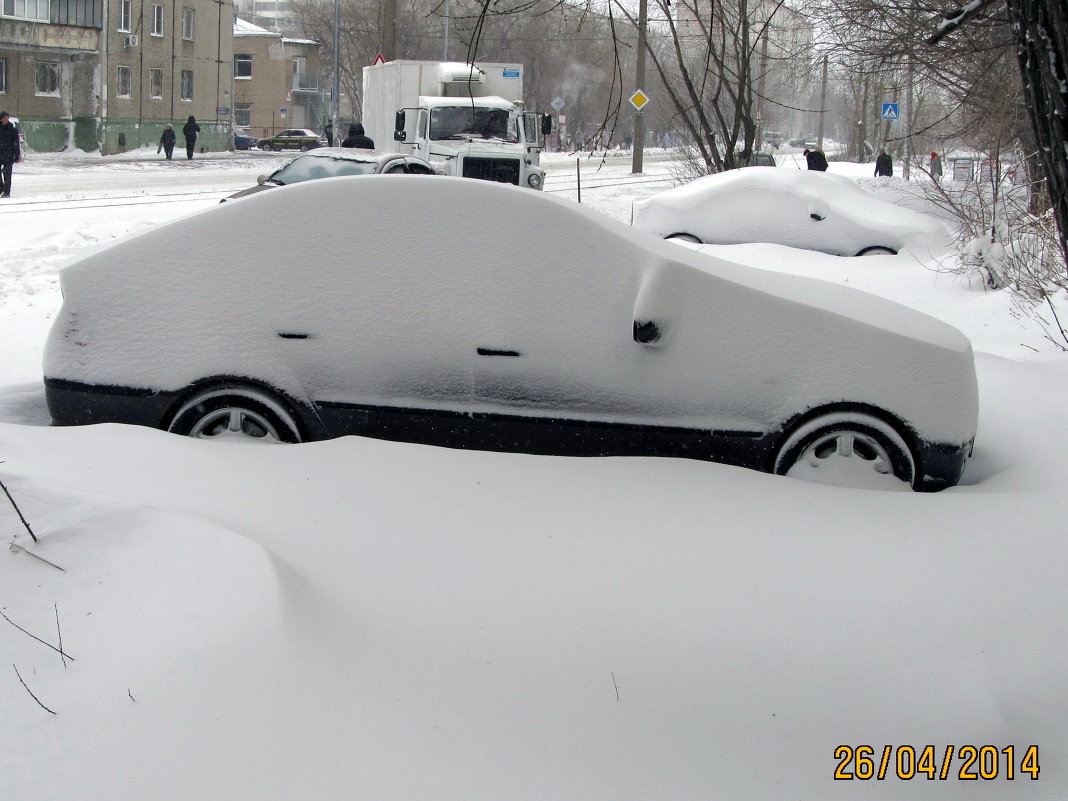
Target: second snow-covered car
334,162
475,315
799,208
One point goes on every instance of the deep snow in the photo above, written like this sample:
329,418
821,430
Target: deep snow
366,619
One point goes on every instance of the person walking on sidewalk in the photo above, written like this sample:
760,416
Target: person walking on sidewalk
190,130
166,142
9,152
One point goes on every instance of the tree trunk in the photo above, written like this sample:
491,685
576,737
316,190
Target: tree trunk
1041,31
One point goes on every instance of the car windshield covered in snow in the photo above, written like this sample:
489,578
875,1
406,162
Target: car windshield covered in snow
307,169
461,122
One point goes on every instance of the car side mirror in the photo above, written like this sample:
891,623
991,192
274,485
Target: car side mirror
646,332
817,217
546,124
398,126
261,179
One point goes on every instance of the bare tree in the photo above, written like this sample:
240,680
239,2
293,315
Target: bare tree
1040,30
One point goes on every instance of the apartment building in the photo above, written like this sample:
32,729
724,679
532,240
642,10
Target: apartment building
276,82
107,75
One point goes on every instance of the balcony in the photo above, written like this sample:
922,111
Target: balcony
303,82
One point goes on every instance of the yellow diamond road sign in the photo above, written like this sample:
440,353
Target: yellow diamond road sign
639,99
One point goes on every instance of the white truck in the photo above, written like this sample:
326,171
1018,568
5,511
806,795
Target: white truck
467,119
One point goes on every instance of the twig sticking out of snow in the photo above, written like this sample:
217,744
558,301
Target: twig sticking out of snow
59,633
34,697
31,636
35,556
18,511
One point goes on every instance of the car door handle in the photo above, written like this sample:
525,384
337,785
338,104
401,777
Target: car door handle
496,352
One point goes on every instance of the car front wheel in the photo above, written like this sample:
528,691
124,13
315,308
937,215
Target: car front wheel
684,238
848,449
235,411
878,250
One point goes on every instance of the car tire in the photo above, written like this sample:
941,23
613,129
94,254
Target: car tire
235,410
683,237
265,146
304,148
878,250
851,449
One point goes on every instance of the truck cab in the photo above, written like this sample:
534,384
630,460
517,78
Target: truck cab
462,128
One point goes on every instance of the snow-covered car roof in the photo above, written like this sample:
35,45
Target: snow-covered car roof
800,208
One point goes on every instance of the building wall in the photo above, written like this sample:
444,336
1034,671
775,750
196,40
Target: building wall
90,110
275,85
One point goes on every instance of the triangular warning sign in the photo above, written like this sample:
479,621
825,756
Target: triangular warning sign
378,60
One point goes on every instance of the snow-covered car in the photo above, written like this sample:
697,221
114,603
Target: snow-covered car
242,141
22,137
333,162
799,208
421,312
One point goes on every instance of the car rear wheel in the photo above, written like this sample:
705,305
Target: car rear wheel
265,146
303,148
848,449
878,250
235,411
684,238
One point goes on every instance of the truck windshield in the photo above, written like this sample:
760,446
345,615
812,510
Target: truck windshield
462,122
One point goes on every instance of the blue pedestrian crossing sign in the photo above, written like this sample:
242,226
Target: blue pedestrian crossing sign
890,111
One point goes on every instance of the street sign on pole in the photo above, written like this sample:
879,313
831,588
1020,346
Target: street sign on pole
557,103
638,100
890,111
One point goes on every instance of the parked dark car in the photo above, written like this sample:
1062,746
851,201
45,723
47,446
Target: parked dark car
421,311
293,139
242,141
334,162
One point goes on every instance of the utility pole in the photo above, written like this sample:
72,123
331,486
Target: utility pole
908,134
389,30
335,92
823,103
639,116
445,54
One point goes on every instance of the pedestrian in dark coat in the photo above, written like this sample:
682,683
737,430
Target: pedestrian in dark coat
816,160
9,152
166,142
328,132
356,138
190,130
884,164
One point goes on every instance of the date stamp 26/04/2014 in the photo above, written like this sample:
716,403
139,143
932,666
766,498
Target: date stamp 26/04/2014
961,763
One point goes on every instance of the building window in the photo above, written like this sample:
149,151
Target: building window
47,79
33,10
155,83
187,84
157,20
3,76
242,115
187,23
126,15
242,65
123,81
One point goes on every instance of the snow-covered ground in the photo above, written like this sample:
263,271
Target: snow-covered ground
367,619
